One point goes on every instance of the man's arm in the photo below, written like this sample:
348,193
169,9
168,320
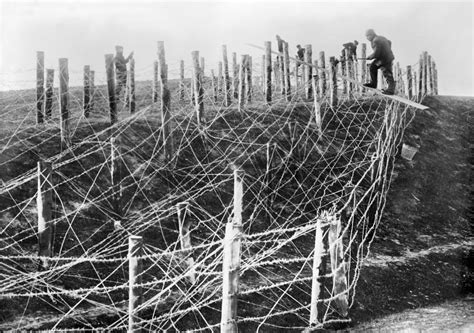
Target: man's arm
376,53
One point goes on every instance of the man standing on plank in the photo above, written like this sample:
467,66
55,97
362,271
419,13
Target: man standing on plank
382,59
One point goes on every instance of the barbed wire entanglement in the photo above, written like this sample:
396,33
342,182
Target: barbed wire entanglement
314,187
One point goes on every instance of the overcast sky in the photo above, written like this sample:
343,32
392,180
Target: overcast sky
83,31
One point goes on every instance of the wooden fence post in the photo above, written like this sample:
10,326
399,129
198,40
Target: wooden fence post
263,82
287,71
131,87
181,81
198,89
322,73
165,103
235,76
92,85
109,65
308,80
249,78
430,75
338,265
219,77
135,253
227,91
409,83
268,72
243,66
425,73
39,86
213,86
316,284
281,65
231,260
350,72
44,204
185,238
155,81
420,77
363,64
203,73
64,99
48,105
435,79
87,91
317,106
333,81
116,181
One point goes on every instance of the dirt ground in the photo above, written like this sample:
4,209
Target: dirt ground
419,275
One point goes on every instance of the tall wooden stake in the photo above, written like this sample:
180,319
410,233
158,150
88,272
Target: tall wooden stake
181,81
185,237
410,83
198,89
316,281
227,91
268,75
203,72
363,63
131,87
287,71
338,265
135,251
425,73
235,76
155,81
64,99
44,204
231,260
109,66
308,57
322,73
243,66
213,86
333,81
219,77
92,84
165,103
39,86
87,91
249,78
317,106
48,106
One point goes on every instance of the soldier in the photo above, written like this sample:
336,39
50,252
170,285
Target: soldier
382,59
299,54
120,69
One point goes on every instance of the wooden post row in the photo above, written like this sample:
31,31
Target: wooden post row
64,99
135,252
39,86
44,204
165,103
185,238
231,260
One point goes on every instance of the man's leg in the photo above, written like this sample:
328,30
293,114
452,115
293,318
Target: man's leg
373,75
388,74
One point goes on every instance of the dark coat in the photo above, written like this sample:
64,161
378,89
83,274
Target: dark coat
382,50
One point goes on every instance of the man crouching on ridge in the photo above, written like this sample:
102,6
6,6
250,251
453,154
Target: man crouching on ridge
383,58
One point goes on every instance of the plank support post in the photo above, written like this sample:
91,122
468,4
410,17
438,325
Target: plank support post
268,71
39,86
64,99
